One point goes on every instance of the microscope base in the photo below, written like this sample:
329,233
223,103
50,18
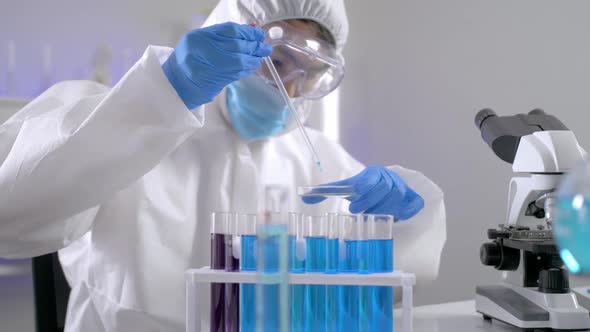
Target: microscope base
529,309
583,296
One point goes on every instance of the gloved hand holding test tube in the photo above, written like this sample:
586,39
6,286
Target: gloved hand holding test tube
375,190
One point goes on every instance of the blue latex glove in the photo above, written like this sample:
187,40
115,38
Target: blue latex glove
206,60
377,190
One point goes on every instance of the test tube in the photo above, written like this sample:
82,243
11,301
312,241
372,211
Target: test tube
380,234
272,291
232,264
365,292
297,250
247,225
315,262
219,228
348,252
332,261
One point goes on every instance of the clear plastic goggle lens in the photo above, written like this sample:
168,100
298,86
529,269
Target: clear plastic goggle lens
304,73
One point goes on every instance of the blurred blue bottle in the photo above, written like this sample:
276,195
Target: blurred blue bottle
348,252
315,262
272,260
572,220
297,252
247,225
380,228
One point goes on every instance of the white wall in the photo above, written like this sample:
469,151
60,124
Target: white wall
419,70
74,29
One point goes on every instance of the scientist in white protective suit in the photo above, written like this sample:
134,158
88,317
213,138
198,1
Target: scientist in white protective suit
123,181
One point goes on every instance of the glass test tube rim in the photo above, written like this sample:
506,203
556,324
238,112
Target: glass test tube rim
315,226
365,226
329,191
221,222
350,227
296,224
333,225
247,223
380,226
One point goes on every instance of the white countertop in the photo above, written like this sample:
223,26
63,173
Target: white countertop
451,317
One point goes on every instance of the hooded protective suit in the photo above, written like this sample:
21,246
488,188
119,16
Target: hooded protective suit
123,181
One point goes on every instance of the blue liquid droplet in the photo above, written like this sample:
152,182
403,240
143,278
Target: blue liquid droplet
319,166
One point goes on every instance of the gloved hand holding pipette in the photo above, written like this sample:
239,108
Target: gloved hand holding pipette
375,190
208,59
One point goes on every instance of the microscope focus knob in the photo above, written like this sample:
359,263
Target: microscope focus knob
495,234
554,281
490,254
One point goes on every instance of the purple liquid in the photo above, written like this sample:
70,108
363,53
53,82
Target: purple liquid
232,291
217,318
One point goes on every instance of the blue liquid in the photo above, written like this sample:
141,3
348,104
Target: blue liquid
348,313
364,291
365,308
295,264
381,304
296,292
315,295
363,257
332,256
269,318
572,231
248,291
269,315
332,298
248,259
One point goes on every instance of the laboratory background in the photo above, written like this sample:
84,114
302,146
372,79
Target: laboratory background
417,72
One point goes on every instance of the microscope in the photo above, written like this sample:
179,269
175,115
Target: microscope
534,292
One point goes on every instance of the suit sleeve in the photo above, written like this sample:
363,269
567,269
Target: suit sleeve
79,143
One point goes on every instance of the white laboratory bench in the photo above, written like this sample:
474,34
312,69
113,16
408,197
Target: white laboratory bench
452,317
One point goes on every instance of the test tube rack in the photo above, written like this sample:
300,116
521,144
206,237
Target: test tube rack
196,279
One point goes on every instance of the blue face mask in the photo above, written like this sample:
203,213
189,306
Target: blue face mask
256,109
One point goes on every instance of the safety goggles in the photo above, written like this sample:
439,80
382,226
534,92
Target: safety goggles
309,67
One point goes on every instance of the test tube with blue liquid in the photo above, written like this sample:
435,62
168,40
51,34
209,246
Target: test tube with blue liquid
348,254
247,224
332,261
272,260
363,256
297,252
380,255
315,262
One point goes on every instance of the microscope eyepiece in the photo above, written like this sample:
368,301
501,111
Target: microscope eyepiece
537,111
482,115
503,133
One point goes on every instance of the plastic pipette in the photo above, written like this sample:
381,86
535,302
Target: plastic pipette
279,83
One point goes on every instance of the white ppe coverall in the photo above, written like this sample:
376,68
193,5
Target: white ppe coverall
122,181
